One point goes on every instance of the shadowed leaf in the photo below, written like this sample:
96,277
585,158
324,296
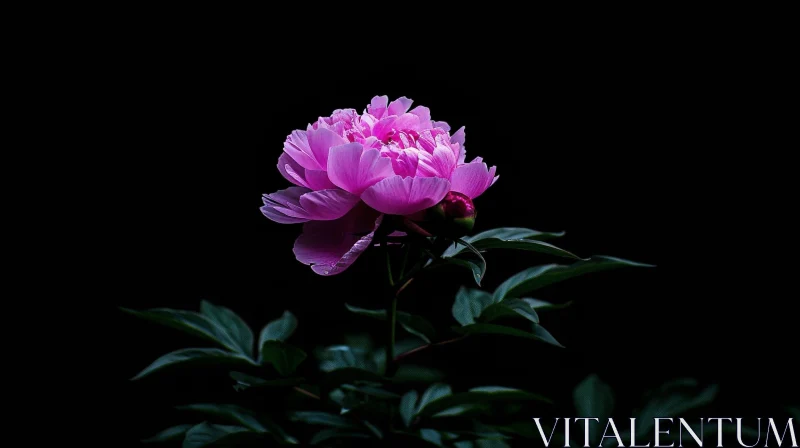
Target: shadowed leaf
228,322
540,276
169,434
194,356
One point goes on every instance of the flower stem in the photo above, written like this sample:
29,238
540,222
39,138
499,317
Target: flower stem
392,312
391,315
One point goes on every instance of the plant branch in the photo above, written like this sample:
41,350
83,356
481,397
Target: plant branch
391,315
305,392
401,356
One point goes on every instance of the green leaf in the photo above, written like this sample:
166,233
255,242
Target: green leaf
540,276
169,434
371,391
411,440
189,322
341,356
246,381
481,443
328,434
474,266
229,413
278,330
210,435
416,325
408,407
323,419
344,375
194,356
673,402
480,262
490,443
235,329
478,395
282,355
412,373
593,398
526,245
434,392
539,334
543,335
503,233
463,411
431,435
374,429
509,308
542,305
469,305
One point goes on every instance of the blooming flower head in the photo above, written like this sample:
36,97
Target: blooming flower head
349,170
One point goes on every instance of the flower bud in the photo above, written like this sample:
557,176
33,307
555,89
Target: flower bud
452,217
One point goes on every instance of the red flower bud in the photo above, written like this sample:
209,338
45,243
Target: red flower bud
453,217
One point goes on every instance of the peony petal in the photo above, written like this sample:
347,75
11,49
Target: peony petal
325,205
330,247
296,146
405,164
276,203
459,136
377,107
300,204
422,112
321,141
290,170
355,169
406,121
427,139
472,179
318,180
439,164
383,128
442,125
296,174
399,106
397,195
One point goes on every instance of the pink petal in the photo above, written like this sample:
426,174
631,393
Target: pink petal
290,170
399,106
378,106
383,127
397,195
405,164
318,180
326,205
406,121
472,179
355,169
321,141
439,164
459,136
427,139
296,146
422,112
442,125
296,174
330,247
275,203
300,204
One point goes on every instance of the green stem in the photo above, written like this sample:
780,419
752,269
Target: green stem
391,314
392,311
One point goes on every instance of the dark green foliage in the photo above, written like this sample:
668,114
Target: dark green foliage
344,395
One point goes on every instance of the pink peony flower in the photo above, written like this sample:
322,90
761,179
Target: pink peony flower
350,169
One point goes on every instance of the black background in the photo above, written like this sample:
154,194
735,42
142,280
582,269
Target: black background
634,161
